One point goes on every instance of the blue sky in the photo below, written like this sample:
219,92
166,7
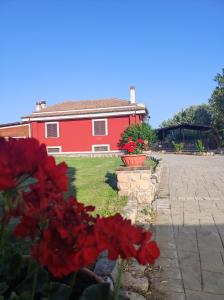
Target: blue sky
57,50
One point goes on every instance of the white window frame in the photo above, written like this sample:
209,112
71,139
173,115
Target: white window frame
49,147
99,145
58,135
106,127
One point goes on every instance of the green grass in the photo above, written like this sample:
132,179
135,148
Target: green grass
90,181
94,182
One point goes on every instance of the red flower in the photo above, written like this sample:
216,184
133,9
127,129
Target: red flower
118,236
27,227
140,141
68,243
65,236
148,251
130,147
19,158
52,174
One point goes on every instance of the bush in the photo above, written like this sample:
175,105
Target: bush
200,146
138,131
179,147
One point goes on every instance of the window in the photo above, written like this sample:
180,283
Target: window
52,150
99,127
100,148
52,130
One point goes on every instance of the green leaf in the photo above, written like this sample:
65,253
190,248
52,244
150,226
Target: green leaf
13,296
58,291
99,291
42,281
25,296
25,285
3,287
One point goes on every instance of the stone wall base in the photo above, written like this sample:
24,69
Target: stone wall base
136,183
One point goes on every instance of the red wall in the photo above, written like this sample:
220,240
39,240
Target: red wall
76,135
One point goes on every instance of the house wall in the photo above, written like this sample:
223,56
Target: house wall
76,135
18,131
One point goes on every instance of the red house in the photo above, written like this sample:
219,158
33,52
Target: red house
83,126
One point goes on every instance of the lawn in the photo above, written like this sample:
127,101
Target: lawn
94,182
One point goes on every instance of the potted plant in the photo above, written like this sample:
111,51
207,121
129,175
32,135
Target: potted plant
133,153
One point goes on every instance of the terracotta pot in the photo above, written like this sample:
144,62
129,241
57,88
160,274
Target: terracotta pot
133,160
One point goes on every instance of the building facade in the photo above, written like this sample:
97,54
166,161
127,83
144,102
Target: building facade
81,126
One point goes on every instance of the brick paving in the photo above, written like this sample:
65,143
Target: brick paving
190,228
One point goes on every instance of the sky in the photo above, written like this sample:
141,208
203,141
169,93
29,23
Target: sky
57,50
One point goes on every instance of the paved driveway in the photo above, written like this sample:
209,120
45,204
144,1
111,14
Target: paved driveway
190,228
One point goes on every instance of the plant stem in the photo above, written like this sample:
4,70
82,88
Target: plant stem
34,282
2,228
118,281
72,284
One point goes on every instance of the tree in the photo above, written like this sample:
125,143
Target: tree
217,105
195,114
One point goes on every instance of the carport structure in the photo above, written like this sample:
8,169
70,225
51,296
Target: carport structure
187,134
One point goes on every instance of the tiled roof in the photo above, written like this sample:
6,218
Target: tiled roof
87,106
68,105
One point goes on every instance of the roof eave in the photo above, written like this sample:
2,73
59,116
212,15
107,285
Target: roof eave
83,116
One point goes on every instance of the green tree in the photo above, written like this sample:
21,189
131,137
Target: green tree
216,102
195,114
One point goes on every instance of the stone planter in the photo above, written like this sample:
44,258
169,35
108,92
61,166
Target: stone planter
133,160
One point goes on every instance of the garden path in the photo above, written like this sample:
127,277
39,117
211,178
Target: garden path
190,228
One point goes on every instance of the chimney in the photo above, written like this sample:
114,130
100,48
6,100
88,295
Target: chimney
38,106
132,95
43,104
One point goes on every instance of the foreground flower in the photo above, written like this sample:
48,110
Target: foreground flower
17,158
64,236
148,251
123,239
25,158
118,236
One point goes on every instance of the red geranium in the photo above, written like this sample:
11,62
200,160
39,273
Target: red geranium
148,251
132,147
118,236
140,141
65,237
123,239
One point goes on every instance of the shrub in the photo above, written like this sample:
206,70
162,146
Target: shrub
138,131
179,147
200,146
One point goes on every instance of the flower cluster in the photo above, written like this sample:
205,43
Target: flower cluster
132,147
64,235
